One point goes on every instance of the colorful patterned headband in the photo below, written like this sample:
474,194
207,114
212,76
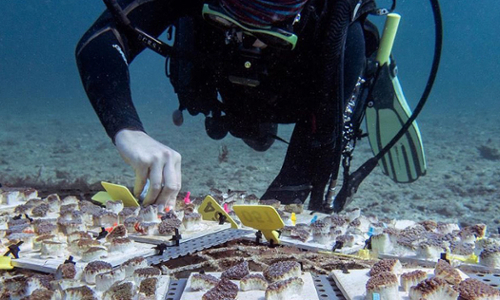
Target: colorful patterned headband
262,13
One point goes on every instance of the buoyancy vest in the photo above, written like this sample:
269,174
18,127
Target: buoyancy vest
212,80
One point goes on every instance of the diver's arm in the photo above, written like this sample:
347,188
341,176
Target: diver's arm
103,55
105,50
103,67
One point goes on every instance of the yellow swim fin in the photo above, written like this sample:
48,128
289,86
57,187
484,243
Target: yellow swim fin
387,112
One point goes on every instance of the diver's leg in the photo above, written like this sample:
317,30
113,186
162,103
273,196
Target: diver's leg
354,62
293,183
308,163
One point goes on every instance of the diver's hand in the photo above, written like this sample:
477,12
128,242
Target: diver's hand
151,159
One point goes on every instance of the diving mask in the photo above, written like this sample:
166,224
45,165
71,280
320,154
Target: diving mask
272,36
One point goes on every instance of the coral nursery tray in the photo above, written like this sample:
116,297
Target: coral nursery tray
466,267
11,205
325,287
352,284
307,215
203,228
312,245
308,291
32,260
162,288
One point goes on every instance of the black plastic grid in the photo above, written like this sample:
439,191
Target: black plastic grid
175,289
491,279
326,288
198,244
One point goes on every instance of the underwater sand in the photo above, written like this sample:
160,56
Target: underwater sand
53,152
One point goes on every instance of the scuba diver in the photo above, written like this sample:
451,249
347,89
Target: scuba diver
249,66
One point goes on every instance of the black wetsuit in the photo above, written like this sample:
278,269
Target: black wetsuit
299,86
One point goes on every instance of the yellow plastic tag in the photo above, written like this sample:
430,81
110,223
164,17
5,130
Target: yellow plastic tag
365,254
210,210
261,217
360,255
116,192
5,263
471,259
102,197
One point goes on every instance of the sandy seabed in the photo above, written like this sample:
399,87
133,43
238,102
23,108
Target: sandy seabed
54,152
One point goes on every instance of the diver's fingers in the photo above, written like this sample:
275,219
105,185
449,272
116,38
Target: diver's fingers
172,201
155,184
141,176
172,183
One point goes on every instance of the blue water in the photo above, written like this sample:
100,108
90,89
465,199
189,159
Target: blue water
37,64
38,37
467,76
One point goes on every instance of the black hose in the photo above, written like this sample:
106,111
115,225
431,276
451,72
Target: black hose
145,39
337,24
430,82
345,194
117,12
